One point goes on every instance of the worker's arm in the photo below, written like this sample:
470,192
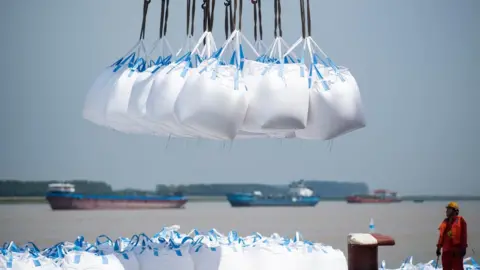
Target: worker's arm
441,234
464,236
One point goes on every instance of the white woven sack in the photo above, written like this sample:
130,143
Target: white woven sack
270,255
117,107
154,254
279,103
125,255
26,261
326,257
83,260
251,69
215,252
212,106
162,98
335,111
137,106
99,93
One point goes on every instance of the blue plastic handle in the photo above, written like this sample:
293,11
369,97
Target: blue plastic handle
108,239
32,246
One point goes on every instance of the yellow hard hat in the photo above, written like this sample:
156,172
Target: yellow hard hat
453,205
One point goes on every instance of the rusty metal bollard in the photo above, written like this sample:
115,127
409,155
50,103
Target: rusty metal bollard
363,250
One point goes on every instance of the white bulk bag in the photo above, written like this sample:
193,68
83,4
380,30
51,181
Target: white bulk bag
137,106
215,252
270,254
117,105
26,261
210,105
123,250
251,69
326,257
165,91
334,111
214,103
83,260
163,95
99,93
156,254
279,102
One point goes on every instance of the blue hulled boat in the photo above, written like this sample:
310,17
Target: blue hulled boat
298,195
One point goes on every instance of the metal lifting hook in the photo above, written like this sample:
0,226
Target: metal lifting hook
227,3
204,4
254,1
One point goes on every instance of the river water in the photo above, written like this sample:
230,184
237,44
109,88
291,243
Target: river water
414,226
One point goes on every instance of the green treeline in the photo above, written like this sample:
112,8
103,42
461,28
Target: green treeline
326,189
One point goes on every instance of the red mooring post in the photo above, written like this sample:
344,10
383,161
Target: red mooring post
363,250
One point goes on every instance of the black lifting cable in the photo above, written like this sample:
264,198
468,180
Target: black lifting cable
228,6
190,13
276,27
257,12
237,5
162,19
192,28
230,12
309,21
240,15
211,16
208,16
208,7
166,18
144,20
279,17
188,17
205,15
302,17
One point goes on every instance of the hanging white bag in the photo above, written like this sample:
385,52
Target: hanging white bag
214,103
107,100
280,100
137,107
117,106
335,102
142,86
98,95
165,91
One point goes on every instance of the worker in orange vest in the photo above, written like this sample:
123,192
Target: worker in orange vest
452,241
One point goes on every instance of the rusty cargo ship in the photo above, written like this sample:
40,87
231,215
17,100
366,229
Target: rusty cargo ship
378,196
62,196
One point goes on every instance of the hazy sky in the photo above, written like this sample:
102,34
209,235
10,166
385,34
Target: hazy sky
416,62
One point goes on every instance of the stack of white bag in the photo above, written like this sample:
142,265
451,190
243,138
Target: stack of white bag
170,249
201,95
431,265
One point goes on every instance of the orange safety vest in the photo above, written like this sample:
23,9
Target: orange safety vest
453,234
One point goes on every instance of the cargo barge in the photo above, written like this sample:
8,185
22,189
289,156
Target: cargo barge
62,196
378,196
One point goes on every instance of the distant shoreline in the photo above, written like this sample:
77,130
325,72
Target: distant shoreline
42,200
